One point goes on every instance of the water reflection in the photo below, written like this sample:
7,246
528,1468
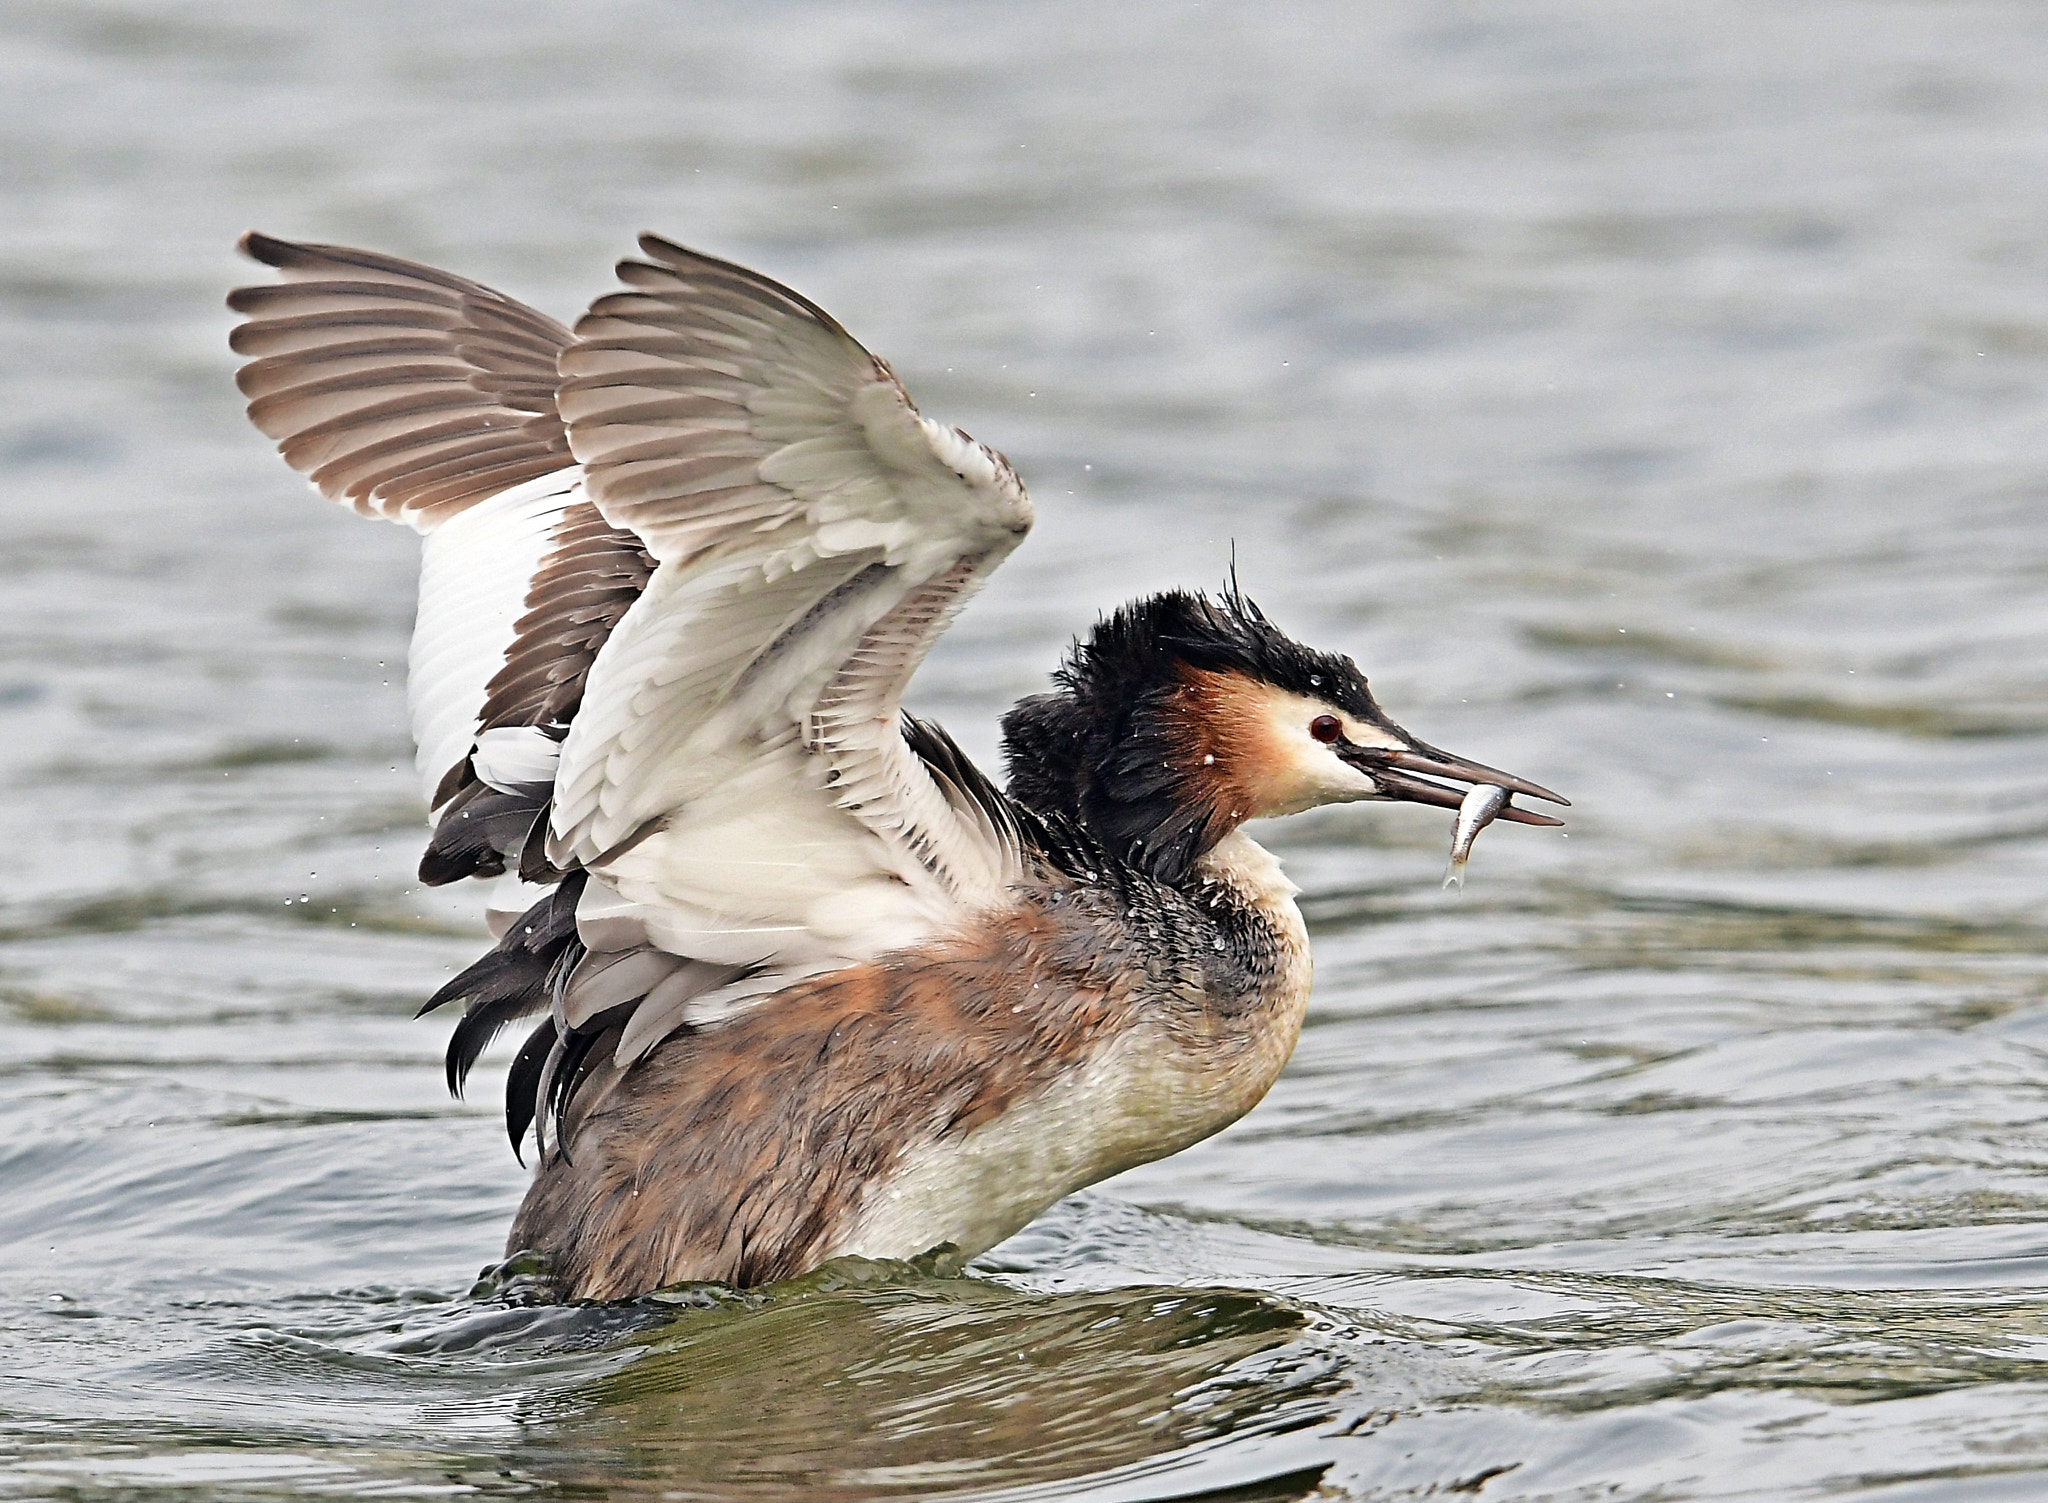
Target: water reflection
861,1383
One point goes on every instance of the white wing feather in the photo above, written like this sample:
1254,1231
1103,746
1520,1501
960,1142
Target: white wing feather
475,570
736,780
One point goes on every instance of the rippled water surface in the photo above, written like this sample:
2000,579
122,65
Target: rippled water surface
1650,395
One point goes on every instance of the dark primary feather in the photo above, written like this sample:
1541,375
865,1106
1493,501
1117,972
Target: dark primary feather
522,1083
481,829
511,980
567,1066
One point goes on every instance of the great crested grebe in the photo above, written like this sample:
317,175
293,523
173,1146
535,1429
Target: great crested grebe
812,984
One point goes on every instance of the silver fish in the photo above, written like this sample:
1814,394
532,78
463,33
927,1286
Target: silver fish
1482,802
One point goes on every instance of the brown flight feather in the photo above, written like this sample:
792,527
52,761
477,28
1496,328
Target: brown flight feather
592,575
403,391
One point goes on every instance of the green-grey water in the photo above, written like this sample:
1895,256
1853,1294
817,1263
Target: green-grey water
1650,396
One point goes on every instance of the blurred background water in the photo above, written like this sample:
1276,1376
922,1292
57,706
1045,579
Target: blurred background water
1650,396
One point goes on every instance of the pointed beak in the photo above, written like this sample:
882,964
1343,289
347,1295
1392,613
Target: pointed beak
1395,773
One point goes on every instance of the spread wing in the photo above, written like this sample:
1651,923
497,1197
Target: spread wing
680,566
738,783
418,396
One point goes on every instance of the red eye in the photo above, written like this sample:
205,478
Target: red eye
1326,729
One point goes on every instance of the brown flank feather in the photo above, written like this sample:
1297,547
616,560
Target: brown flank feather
755,1140
742,1152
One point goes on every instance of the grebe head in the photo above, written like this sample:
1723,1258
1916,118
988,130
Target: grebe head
1182,715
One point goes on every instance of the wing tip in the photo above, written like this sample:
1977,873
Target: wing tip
268,249
662,248
670,256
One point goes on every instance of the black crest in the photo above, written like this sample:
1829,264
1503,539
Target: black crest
1102,749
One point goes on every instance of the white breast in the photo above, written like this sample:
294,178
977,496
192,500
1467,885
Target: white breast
1148,1092
1127,1106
